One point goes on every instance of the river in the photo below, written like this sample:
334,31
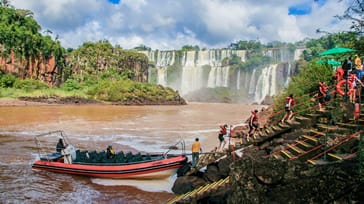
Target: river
127,128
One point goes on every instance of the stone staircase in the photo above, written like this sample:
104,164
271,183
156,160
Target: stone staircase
200,192
320,142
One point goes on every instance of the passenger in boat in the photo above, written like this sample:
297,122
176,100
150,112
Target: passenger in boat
196,149
60,145
110,153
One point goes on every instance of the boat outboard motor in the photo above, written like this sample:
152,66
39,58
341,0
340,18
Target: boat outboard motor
69,154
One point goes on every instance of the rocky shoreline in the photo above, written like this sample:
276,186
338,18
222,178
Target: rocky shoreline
55,100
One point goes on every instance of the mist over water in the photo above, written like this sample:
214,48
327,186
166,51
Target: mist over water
127,128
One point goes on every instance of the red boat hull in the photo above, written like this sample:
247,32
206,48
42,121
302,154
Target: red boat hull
147,170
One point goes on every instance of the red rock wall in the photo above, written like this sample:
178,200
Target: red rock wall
40,69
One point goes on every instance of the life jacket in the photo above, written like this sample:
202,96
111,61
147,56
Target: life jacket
323,88
352,77
255,117
289,101
223,130
339,74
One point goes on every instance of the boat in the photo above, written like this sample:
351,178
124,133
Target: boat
72,160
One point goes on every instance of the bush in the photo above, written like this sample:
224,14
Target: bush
7,80
71,85
30,84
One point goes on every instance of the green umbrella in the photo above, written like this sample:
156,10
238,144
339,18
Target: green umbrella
329,61
336,50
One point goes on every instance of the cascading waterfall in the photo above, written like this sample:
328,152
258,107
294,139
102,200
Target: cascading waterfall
289,74
191,74
252,84
238,80
266,85
162,77
205,68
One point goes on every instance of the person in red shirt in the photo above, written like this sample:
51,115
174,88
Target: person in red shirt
253,122
339,74
321,95
288,107
222,133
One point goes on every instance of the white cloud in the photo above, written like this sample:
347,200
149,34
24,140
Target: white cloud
170,24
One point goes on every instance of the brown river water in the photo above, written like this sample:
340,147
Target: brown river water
127,128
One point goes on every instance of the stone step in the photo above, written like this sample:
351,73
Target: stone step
262,133
286,154
335,157
293,122
313,115
268,130
283,125
302,118
304,145
317,162
278,156
310,139
295,150
331,128
314,132
276,128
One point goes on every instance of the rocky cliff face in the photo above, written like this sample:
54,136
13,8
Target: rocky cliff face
46,69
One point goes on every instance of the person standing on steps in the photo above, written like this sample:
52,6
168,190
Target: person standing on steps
222,133
288,107
253,123
322,89
196,149
357,62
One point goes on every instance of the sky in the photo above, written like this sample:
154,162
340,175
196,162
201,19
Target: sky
171,24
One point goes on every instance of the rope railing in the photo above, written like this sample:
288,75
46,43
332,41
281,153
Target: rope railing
286,148
347,138
302,103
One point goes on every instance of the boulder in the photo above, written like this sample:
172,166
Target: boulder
185,184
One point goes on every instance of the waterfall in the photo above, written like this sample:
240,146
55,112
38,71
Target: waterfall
238,80
165,58
211,82
207,68
252,87
266,84
162,77
288,75
298,53
273,80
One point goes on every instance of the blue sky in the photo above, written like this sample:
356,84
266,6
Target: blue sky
171,24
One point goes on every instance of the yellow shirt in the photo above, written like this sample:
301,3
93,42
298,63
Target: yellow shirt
196,146
358,63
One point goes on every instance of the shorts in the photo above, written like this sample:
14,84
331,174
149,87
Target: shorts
221,137
321,99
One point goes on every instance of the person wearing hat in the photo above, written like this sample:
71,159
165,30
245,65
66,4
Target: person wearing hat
357,62
110,153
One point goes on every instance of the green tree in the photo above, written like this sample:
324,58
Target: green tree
355,14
